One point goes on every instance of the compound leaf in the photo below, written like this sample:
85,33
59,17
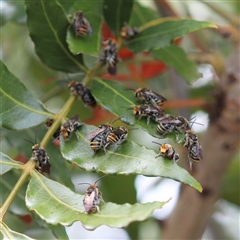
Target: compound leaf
127,158
55,204
161,33
20,109
7,163
48,23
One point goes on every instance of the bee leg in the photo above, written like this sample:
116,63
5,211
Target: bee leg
148,120
98,210
77,135
190,164
158,155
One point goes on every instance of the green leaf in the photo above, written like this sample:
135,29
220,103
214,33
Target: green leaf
12,11
47,23
19,107
7,233
158,34
116,98
7,163
116,12
127,158
141,15
57,204
7,182
174,56
89,44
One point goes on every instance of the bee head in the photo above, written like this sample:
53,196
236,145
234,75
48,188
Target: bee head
138,92
36,147
136,111
71,84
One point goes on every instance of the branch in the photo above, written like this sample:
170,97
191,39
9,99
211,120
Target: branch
219,143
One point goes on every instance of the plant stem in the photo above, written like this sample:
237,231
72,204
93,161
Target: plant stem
92,73
58,121
27,169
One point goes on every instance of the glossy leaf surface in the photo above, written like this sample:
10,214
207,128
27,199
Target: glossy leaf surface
158,34
19,107
127,158
57,204
48,23
7,233
141,15
174,56
116,12
7,163
89,44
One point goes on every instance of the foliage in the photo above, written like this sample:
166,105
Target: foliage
52,197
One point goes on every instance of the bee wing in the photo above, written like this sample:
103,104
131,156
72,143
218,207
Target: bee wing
199,152
88,201
93,134
89,27
157,95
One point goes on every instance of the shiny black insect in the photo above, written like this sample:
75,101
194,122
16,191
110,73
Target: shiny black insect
148,111
80,91
39,154
80,24
48,124
150,97
193,146
128,32
93,198
110,57
70,126
166,150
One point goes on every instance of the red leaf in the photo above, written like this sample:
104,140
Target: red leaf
27,219
152,69
21,158
106,32
125,54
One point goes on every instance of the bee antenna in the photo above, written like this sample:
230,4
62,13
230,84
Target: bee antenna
132,89
83,183
116,119
28,141
100,178
157,143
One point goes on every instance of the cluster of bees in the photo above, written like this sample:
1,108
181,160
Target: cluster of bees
152,109
110,58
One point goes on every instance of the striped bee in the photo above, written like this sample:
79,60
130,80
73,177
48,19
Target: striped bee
81,25
117,135
110,57
148,111
194,148
92,198
166,150
128,32
70,126
150,97
98,138
39,154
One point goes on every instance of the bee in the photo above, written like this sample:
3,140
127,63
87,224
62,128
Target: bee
117,135
150,97
48,124
166,150
194,148
39,154
70,126
148,111
110,57
76,88
92,198
128,32
98,138
81,25
88,98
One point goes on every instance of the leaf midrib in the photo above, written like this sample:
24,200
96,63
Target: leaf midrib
25,106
